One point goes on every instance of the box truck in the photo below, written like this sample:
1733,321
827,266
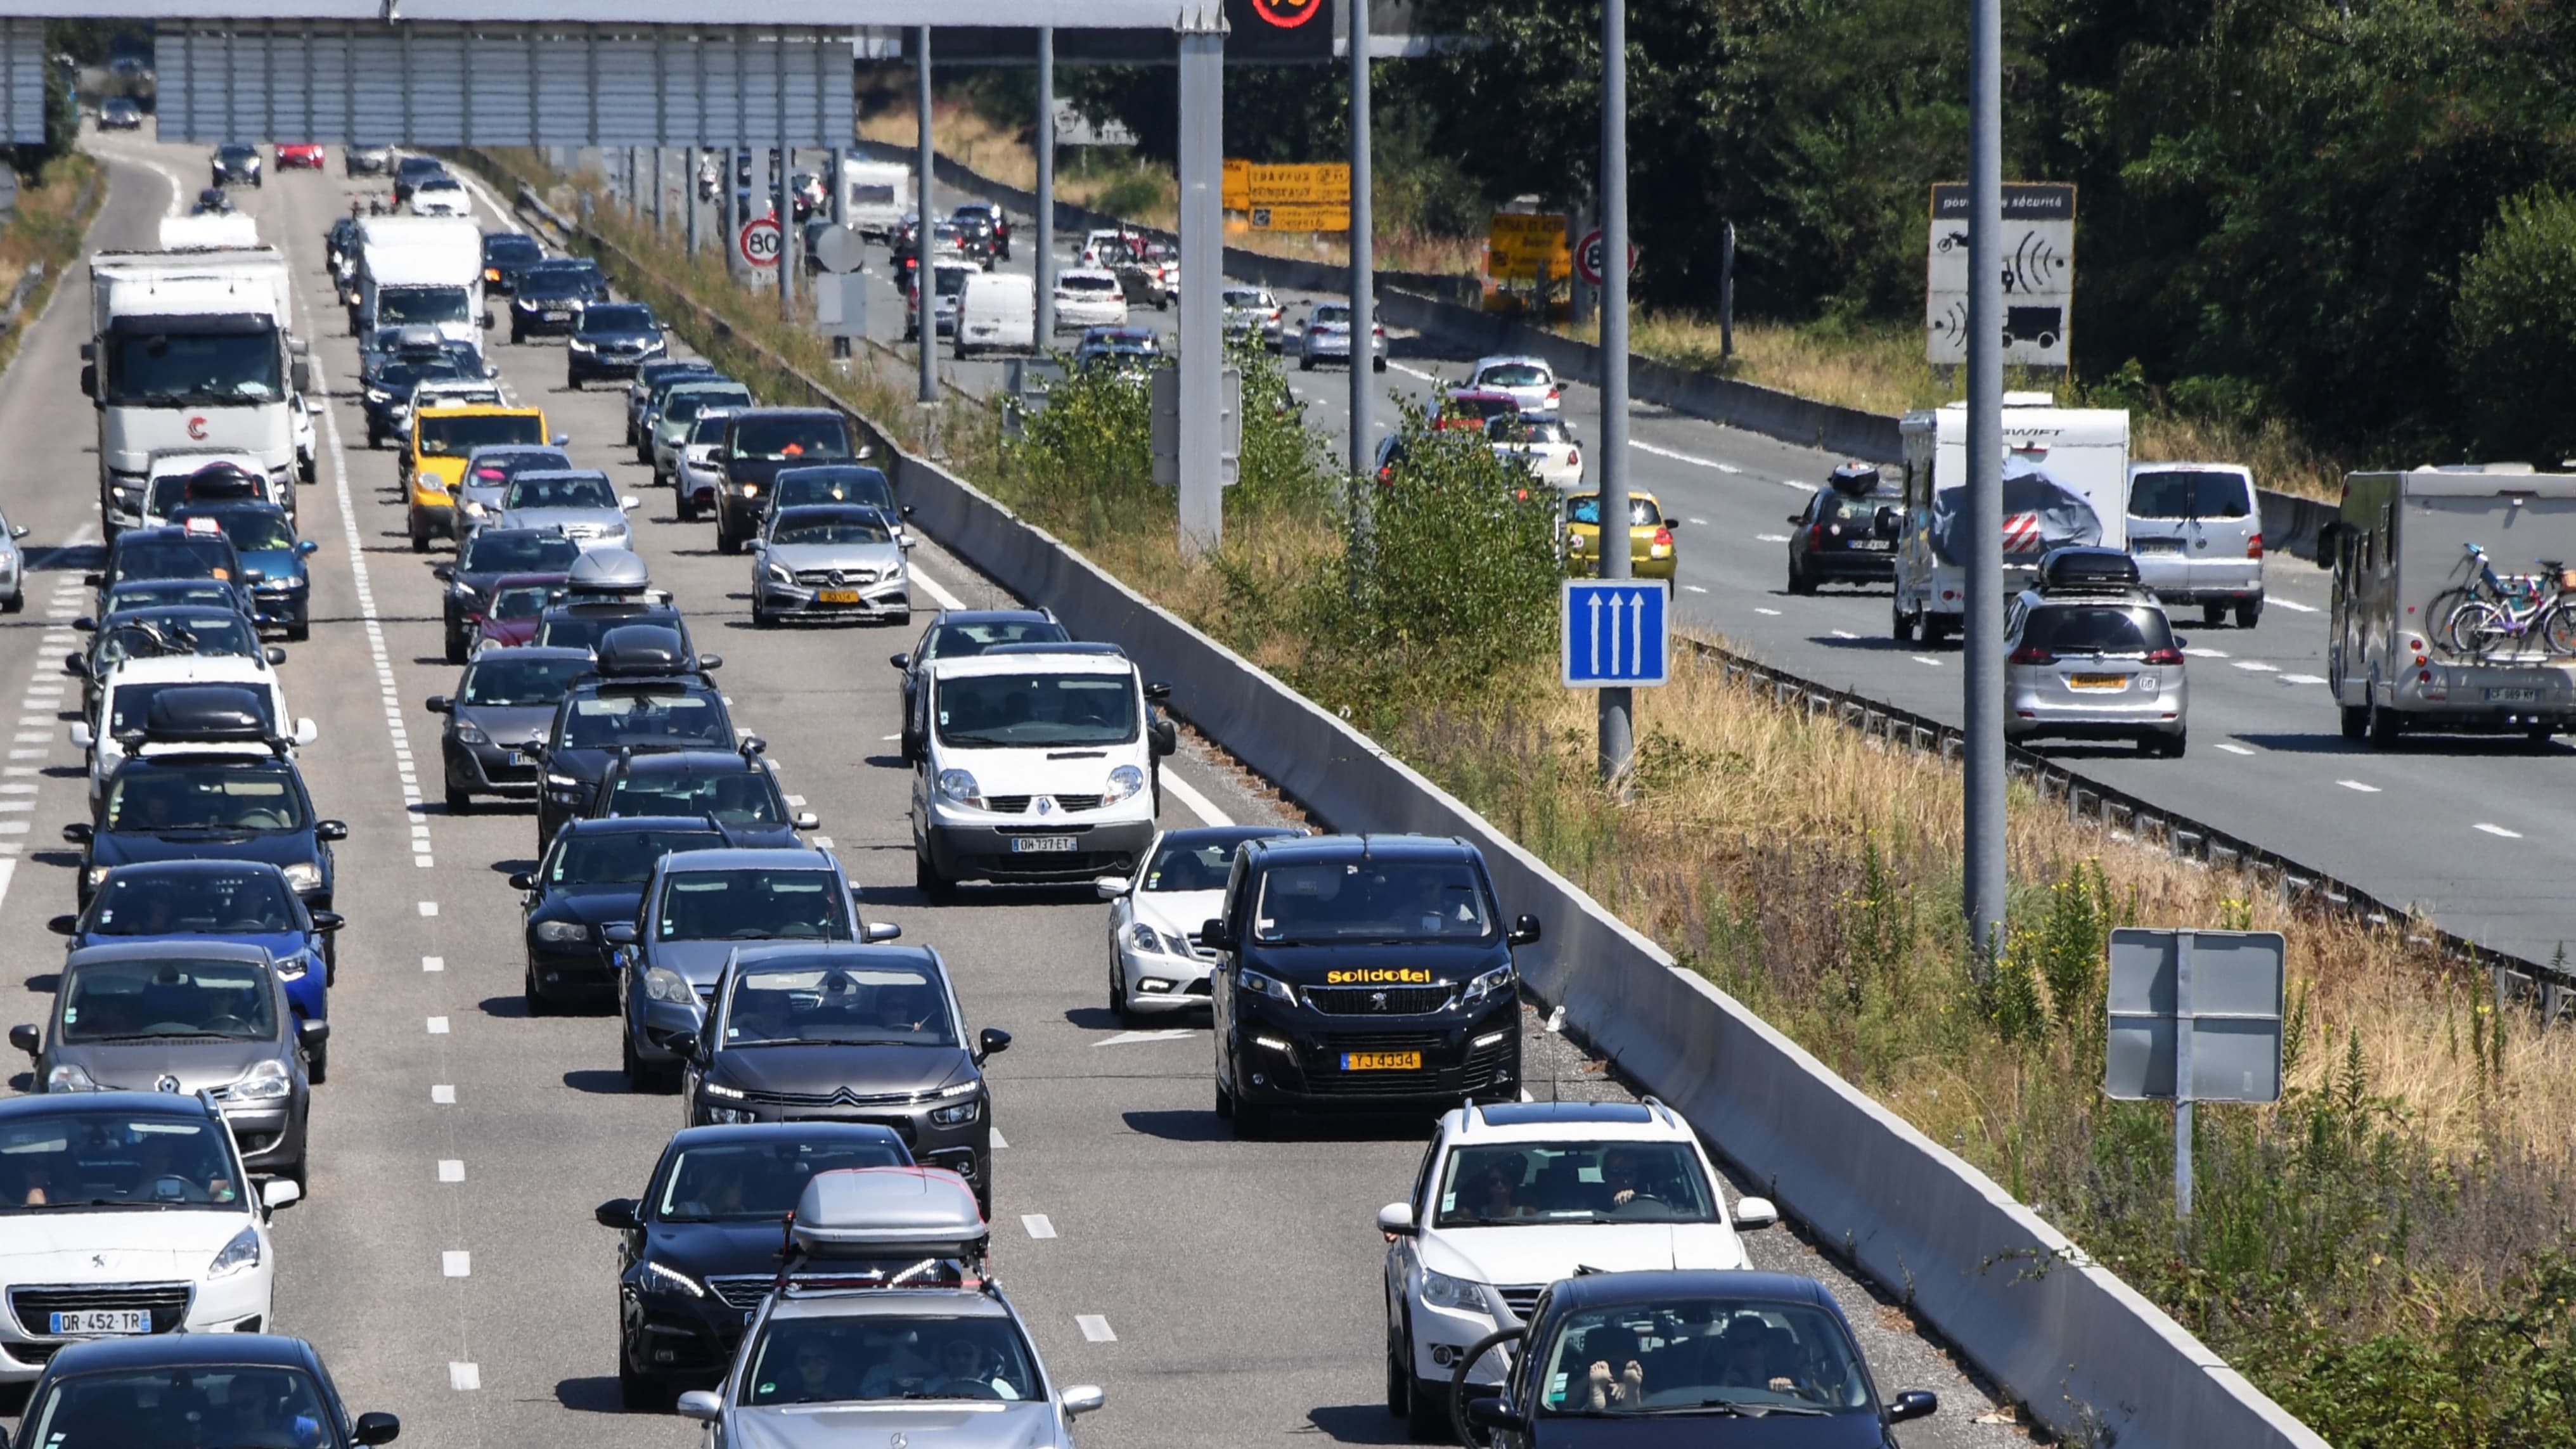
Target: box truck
420,270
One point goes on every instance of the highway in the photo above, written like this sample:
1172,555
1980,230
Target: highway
446,1263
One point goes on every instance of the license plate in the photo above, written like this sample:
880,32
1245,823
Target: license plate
1876,544
2159,545
2514,696
103,1320
1381,1061
1040,844
836,596
558,316
2097,681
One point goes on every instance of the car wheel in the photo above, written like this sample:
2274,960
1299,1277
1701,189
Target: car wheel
1799,583
1903,625
2355,721
2383,726
686,510
1377,364
1224,1102
639,1077
317,1064
572,382
459,802
926,879
1251,1123
1935,628
641,1393
2212,615
419,537
1305,363
14,602
760,617
295,633
2248,613
375,439
1426,1406
1399,1379
1118,993
535,997
455,643
726,542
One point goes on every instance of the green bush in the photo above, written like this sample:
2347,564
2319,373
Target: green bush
2514,329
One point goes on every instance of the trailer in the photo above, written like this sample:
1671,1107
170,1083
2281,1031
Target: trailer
2053,458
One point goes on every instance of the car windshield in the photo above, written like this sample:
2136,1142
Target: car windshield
1487,408
958,641
1245,297
130,705
777,439
204,902
711,424
1341,901
746,796
797,487
165,369
561,490
581,629
757,1181
623,318
824,1360
84,1159
219,1406
1196,862
172,558
1523,1183
552,284
141,635
518,605
618,857
454,435
851,528
491,470
2091,628
1513,374
508,679
215,799
511,246
518,551
1037,709
951,281
402,374
680,407
838,1002
252,530
169,996
1586,508
757,903
1330,314
670,718
1702,1355
1079,282
2188,493
429,305
155,593
1513,428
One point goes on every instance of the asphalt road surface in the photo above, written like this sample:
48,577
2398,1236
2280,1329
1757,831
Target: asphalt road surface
446,1262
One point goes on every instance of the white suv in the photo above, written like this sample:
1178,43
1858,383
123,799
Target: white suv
1514,1196
125,700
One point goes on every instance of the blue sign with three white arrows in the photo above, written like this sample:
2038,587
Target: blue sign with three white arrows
1617,632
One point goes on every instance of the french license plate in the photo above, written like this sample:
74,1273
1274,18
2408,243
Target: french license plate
1040,844
1381,1061
103,1320
2097,681
2514,696
2159,545
558,316
836,596
1875,545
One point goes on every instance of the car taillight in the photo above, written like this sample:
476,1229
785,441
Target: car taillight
2254,546
1663,538
1815,535
1574,457
2032,654
1386,474
1554,393
2166,655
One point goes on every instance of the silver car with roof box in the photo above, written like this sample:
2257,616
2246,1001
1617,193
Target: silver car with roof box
2090,656
2197,531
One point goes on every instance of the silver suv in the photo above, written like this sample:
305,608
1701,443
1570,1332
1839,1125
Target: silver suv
2091,656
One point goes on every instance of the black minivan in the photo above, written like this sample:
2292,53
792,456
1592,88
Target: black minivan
1362,972
758,443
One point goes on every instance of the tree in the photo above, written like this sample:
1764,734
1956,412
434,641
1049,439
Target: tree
2513,330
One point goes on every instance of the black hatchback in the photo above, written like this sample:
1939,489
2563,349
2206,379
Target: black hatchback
1846,534
195,1388
593,873
624,710
208,783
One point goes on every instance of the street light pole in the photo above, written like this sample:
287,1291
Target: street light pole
1202,361
1982,638
924,281
1044,260
1363,296
1618,724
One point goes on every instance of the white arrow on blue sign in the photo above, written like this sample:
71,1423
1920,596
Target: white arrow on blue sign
1616,632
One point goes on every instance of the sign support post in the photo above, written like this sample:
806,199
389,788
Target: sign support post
923,289
1618,742
1043,262
1202,177
1985,879
2194,1016
1363,301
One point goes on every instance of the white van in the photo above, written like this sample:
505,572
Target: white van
998,312
2197,530
1034,762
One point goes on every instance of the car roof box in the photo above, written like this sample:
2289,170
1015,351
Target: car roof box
203,714
1859,480
608,571
643,651
2087,568
889,1212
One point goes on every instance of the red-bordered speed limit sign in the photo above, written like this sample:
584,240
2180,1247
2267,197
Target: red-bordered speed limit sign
761,241
1592,256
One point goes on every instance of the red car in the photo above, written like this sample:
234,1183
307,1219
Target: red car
510,620
299,155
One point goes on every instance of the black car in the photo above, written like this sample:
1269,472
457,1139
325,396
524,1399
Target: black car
273,561
340,242
834,483
737,789
648,696
507,254
644,394
1845,534
213,201
1362,972
247,1388
411,171
488,554
593,873
386,392
702,1247
236,163
208,782
846,1031
612,340
961,633
1706,1345
550,299
976,240
583,621
996,222
506,698
758,443
170,552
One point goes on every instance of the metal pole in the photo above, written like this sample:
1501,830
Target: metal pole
1618,726
1726,293
1982,640
925,294
1202,501
789,232
661,194
1363,298
2182,1075
1044,260
689,188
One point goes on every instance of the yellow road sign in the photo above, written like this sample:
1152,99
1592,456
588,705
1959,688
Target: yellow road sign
1308,183
1317,216
1527,247
1236,192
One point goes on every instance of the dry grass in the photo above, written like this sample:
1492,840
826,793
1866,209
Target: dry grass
54,213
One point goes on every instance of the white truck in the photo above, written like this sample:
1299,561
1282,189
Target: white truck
2066,477
193,346
877,195
420,270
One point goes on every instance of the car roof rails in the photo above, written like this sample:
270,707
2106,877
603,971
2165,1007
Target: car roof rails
203,714
1062,646
607,571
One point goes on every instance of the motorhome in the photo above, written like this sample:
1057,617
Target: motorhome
2066,472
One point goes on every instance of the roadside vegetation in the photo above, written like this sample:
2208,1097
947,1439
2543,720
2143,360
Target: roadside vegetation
56,204
2386,1252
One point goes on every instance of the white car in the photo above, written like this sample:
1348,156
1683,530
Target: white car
1104,247
1529,381
697,475
169,465
125,696
1516,1195
440,196
1156,963
1327,336
1088,297
129,1213
1545,445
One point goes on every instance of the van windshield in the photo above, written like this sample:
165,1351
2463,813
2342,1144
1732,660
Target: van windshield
1037,709
1339,902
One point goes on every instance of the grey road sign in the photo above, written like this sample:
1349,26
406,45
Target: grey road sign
2195,1017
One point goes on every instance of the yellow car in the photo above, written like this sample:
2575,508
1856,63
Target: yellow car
1650,536
434,458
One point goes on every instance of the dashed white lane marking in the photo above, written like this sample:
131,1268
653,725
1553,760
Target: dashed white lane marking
451,1169
822,842
1926,659
1130,1038
464,1377
2498,830
1686,588
1095,1327
997,1132
456,1263
2197,652
429,908
1398,366
2294,608
434,963
442,1095
1694,461
438,1026
2233,748
1699,523
1199,805
797,802
2257,666
1770,538
1037,1225
1845,634
2303,679
1774,613
2357,785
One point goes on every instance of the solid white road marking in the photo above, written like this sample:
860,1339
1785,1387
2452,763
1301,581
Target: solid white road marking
443,1095
2499,830
1400,367
1695,462
1095,1327
1199,805
2233,748
1926,659
456,1263
1845,634
438,1026
464,1377
1774,613
938,595
1129,1038
451,1169
2357,785
2294,608
1037,1225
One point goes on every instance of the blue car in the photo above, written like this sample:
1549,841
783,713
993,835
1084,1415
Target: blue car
233,900
272,561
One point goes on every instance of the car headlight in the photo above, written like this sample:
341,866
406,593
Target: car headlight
474,506
305,875
561,933
1442,1291
290,582
1146,939
958,1115
468,733
1498,979
561,782
292,968
580,346
69,1078
266,1082
721,1092
663,984
98,875
379,396
781,574
242,1252
960,786
1261,985
671,1280
1124,782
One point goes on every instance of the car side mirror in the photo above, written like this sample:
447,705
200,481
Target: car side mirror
328,921
701,1405
1797,518
1214,933
254,576
76,665
900,661
19,530
1111,887
2180,642
1524,931
306,732
1081,1399
1889,521
378,1428
630,502
1755,1212
563,440
1167,740
89,379
907,542
807,820
683,1044
24,1038
876,931
274,654
63,925
331,830
991,1042
618,933
82,736
279,1192
1158,691
313,1033
444,572
308,547
439,704
1492,1413
1913,1404
78,833
524,880
619,1213
1396,1220
85,624
710,663
93,581
300,375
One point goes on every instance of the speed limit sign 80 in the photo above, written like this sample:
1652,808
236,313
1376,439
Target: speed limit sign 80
760,241
1592,256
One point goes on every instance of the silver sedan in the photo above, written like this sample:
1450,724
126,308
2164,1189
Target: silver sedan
830,561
